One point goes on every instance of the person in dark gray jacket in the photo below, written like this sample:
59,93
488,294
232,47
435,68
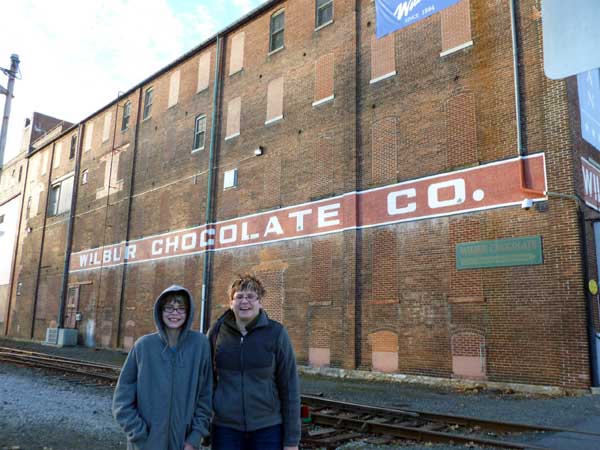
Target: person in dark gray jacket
163,397
257,396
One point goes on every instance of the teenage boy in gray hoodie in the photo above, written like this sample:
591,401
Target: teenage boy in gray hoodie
163,397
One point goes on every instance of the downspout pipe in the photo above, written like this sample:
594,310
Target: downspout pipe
39,266
537,193
129,207
69,244
16,249
205,305
517,87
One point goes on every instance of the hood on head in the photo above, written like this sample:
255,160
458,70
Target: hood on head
160,326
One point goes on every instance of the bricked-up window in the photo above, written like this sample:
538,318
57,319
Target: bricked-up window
60,197
148,99
323,13
126,116
106,128
277,29
174,88
236,59
324,79
383,58
89,135
73,146
461,130
456,27
203,72
384,150
233,117
274,100
57,154
199,132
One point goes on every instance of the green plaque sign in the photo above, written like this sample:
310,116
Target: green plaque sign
524,251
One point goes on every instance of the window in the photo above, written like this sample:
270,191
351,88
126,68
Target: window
28,210
60,197
277,28
230,179
126,115
2,218
323,13
199,132
148,98
84,177
20,173
73,146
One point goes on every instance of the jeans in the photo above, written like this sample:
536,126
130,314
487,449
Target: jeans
224,438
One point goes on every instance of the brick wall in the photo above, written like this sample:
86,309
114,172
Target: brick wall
386,298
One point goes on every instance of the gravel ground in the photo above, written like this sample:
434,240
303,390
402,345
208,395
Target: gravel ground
41,410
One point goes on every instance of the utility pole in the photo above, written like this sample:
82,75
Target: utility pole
12,75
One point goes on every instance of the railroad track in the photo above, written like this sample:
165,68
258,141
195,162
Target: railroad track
332,423
102,372
337,422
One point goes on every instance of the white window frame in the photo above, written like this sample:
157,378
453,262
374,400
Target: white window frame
148,95
273,32
327,4
198,147
126,116
60,204
230,179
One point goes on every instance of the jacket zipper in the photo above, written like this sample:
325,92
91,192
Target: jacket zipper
173,358
242,369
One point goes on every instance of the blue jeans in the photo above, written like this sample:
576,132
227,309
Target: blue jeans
224,438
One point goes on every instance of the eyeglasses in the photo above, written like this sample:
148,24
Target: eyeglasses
252,298
177,309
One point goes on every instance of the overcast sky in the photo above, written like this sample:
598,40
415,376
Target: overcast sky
76,55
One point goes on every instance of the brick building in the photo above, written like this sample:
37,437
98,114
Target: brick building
375,185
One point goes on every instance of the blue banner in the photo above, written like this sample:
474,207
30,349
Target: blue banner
392,15
588,85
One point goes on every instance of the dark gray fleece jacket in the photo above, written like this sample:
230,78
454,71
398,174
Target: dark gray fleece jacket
163,396
257,380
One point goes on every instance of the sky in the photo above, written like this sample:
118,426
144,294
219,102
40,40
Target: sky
76,55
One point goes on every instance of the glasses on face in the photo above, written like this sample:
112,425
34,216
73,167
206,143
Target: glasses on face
177,309
251,297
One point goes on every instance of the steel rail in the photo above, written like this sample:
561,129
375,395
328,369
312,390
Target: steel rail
495,425
412,433
10,350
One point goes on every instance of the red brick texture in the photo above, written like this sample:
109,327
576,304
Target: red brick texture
387,297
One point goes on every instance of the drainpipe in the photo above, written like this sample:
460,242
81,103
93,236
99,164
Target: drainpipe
127,229
39,267
16,248
205,305
580,215
520,149
71,223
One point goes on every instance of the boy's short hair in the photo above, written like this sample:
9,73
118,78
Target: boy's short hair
245,282
178,297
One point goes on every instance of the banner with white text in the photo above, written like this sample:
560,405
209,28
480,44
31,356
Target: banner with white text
392,15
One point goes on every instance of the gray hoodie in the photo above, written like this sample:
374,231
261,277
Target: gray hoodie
163,396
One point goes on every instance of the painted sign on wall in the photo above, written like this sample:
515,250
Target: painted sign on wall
392,15
523,251
478,188
588,86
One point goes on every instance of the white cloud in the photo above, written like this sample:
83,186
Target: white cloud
77,55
